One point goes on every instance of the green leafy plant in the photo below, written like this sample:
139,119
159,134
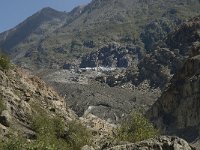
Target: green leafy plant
13,143
51,134
4,62
136,128
76,135
54,133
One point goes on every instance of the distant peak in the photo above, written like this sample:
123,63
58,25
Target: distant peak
47,9
50,12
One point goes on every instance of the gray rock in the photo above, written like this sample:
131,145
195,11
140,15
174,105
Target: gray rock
113,55
86,147
5,118
159,143
177,110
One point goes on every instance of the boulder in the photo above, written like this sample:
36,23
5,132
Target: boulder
86,147
5,118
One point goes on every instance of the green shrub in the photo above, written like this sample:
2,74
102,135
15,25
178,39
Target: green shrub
76,135
4,62
136,128
14,143
54,133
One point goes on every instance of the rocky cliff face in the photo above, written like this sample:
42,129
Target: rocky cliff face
170,55
158,64
114,56
177,110
21,95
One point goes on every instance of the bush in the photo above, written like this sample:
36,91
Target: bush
14,143
76,135
136,128
4,62
52,134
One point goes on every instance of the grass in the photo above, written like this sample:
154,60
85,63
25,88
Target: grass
52,133
136,128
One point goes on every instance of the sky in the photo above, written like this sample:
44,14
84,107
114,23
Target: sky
12,12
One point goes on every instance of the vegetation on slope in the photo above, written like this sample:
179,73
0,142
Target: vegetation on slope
4,62
136,128
51,134
100,22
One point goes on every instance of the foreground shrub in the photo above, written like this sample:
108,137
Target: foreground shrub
136,128
76,135
4,62
51,134
14,143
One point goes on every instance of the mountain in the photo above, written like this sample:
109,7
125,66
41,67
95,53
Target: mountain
170,55
32,29
86,28
176,111
165,59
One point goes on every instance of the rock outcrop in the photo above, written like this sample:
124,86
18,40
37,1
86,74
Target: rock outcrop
21,94
160,143
113,55
103,132
169,56
177,110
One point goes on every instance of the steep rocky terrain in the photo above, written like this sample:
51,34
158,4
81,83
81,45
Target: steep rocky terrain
114,55
170,55
177,110
56,37
167,57
22,95
160,143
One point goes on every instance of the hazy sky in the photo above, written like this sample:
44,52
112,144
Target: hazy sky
13,12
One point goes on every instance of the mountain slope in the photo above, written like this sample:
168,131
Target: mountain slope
170,55
100,22
32,29
23,96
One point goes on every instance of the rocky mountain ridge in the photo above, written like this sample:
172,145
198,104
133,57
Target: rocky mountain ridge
167,58
69,36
